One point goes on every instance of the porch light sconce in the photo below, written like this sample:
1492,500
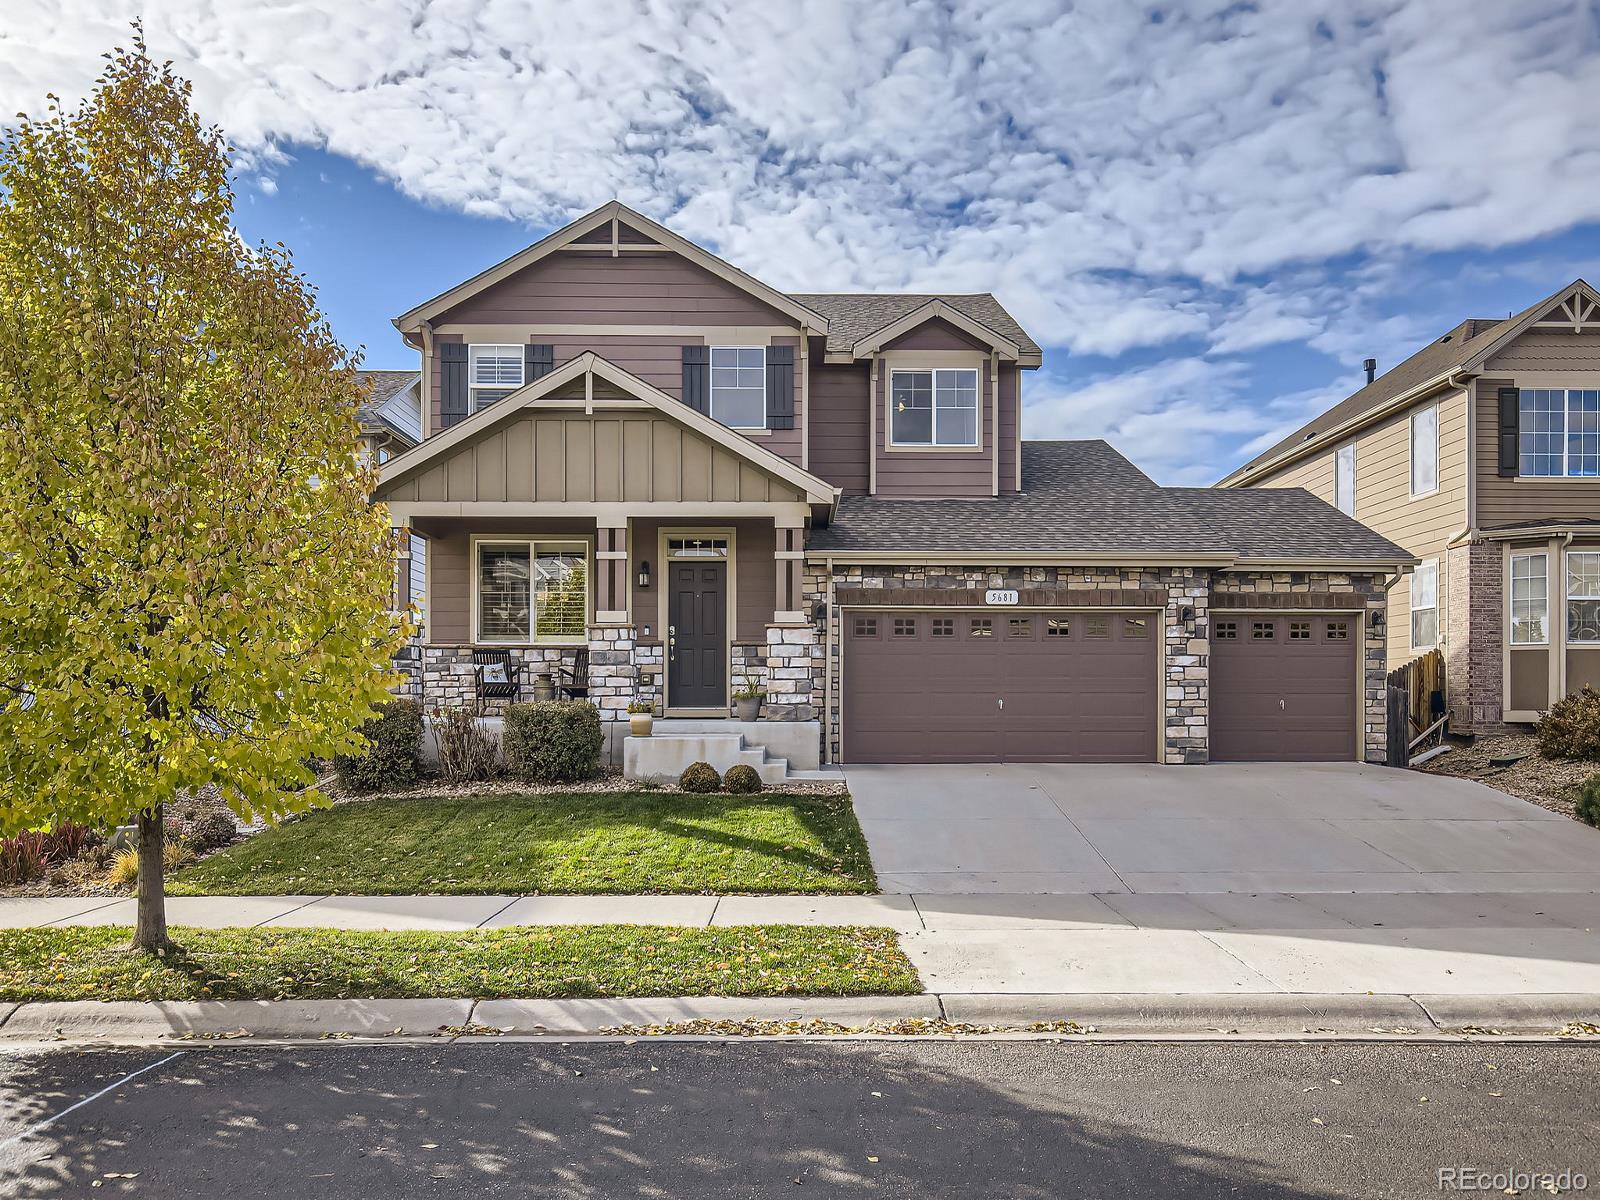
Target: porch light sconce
644,573
820,614
1186,614
1377,618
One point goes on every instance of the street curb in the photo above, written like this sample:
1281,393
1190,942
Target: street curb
1261,1016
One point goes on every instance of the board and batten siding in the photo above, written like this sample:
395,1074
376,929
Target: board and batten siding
1422,525
605,458
1539,358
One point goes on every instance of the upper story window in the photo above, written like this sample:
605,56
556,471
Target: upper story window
933,408
739,386
1425,605
1530,600
493,373
1425,451
1558,432
1344,479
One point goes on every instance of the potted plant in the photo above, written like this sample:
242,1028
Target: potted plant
747,699
641,717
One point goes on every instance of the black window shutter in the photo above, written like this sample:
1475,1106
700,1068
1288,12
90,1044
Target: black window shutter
1510,404
537,361
697,378
453,401
780,387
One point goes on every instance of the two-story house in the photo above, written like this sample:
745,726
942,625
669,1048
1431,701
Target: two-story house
635,452
1480,454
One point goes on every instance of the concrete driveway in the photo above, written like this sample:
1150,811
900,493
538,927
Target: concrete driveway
1248,827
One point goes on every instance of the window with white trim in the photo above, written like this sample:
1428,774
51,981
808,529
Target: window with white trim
1344,479
1530,600
1583,598
1425,605
1558,432
1425,451
933,408
739,386
493,373
531,591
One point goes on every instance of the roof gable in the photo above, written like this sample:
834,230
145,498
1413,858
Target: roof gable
857,316
600,229
935,310
591,382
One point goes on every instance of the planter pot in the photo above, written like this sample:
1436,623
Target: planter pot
640,724
747,709
544,686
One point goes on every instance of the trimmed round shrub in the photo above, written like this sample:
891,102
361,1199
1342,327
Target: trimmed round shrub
1571,729
742,780
393,758
700,777
1587,808
211,830
552,741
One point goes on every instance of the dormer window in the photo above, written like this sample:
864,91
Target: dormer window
933,408
493,373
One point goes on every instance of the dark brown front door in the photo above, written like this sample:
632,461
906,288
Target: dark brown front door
697,635
1283,688
997,686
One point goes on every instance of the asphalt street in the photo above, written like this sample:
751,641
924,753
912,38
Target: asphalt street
682,1119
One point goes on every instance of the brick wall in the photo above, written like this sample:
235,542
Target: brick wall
1475,662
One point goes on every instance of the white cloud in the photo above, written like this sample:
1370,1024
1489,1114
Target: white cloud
1123,176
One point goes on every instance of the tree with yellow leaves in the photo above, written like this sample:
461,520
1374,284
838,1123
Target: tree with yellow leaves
194,587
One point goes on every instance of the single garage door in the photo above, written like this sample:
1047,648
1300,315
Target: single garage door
1283,688
964,686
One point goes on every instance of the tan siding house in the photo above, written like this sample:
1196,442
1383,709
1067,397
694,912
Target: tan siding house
1514,525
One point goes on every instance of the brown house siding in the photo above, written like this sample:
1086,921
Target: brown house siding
838,426
449,597
636,289
936,334
755,578
920,474
1512,501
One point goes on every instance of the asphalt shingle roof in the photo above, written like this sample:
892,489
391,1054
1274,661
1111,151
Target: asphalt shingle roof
854,315
1083,496
381,386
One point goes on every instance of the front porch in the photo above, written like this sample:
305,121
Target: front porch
678,613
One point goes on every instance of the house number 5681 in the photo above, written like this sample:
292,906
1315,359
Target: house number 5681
1000,596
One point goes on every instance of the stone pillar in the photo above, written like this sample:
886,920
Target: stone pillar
1187,670
613,674
794,656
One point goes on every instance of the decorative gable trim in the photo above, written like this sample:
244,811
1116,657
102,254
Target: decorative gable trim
610,218
1575,307
587,368
874,342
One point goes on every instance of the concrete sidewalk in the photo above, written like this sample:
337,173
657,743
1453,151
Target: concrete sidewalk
1522,943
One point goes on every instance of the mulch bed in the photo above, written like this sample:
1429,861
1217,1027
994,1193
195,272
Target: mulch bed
1551,783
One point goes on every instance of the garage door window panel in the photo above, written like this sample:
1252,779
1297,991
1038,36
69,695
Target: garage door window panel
981,627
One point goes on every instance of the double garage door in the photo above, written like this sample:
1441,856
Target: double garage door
960,685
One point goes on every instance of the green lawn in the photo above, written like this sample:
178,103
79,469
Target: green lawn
572,844
92,963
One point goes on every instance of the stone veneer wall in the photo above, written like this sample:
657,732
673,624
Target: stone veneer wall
1375,735
1474,656
443,676
1186,644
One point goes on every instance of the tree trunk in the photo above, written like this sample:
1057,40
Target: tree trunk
150,929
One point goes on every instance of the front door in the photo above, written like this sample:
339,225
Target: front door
697,635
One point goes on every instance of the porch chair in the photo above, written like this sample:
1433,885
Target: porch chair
499,675
574,683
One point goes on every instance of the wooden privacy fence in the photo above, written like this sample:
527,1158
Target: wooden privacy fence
1416,706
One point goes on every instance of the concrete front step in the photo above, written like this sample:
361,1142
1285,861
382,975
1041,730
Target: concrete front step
661,758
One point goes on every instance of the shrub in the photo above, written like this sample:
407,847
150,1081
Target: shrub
700,777
211,830
742,780
1587,808
393,757
1571,729
124,869
553,741
467,750
24,858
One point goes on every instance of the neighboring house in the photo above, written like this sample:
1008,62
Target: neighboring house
634,452
1480,454
391,423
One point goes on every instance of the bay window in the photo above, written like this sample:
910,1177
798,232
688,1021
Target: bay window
1530,600
1425,605
1583,597
527,591
493,373
739,386
1558,432
933,408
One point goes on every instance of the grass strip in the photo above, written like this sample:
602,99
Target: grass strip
545,962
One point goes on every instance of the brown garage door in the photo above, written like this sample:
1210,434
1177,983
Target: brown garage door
1283,688
992,686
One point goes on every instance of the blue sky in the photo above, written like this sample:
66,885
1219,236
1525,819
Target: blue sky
1207,212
